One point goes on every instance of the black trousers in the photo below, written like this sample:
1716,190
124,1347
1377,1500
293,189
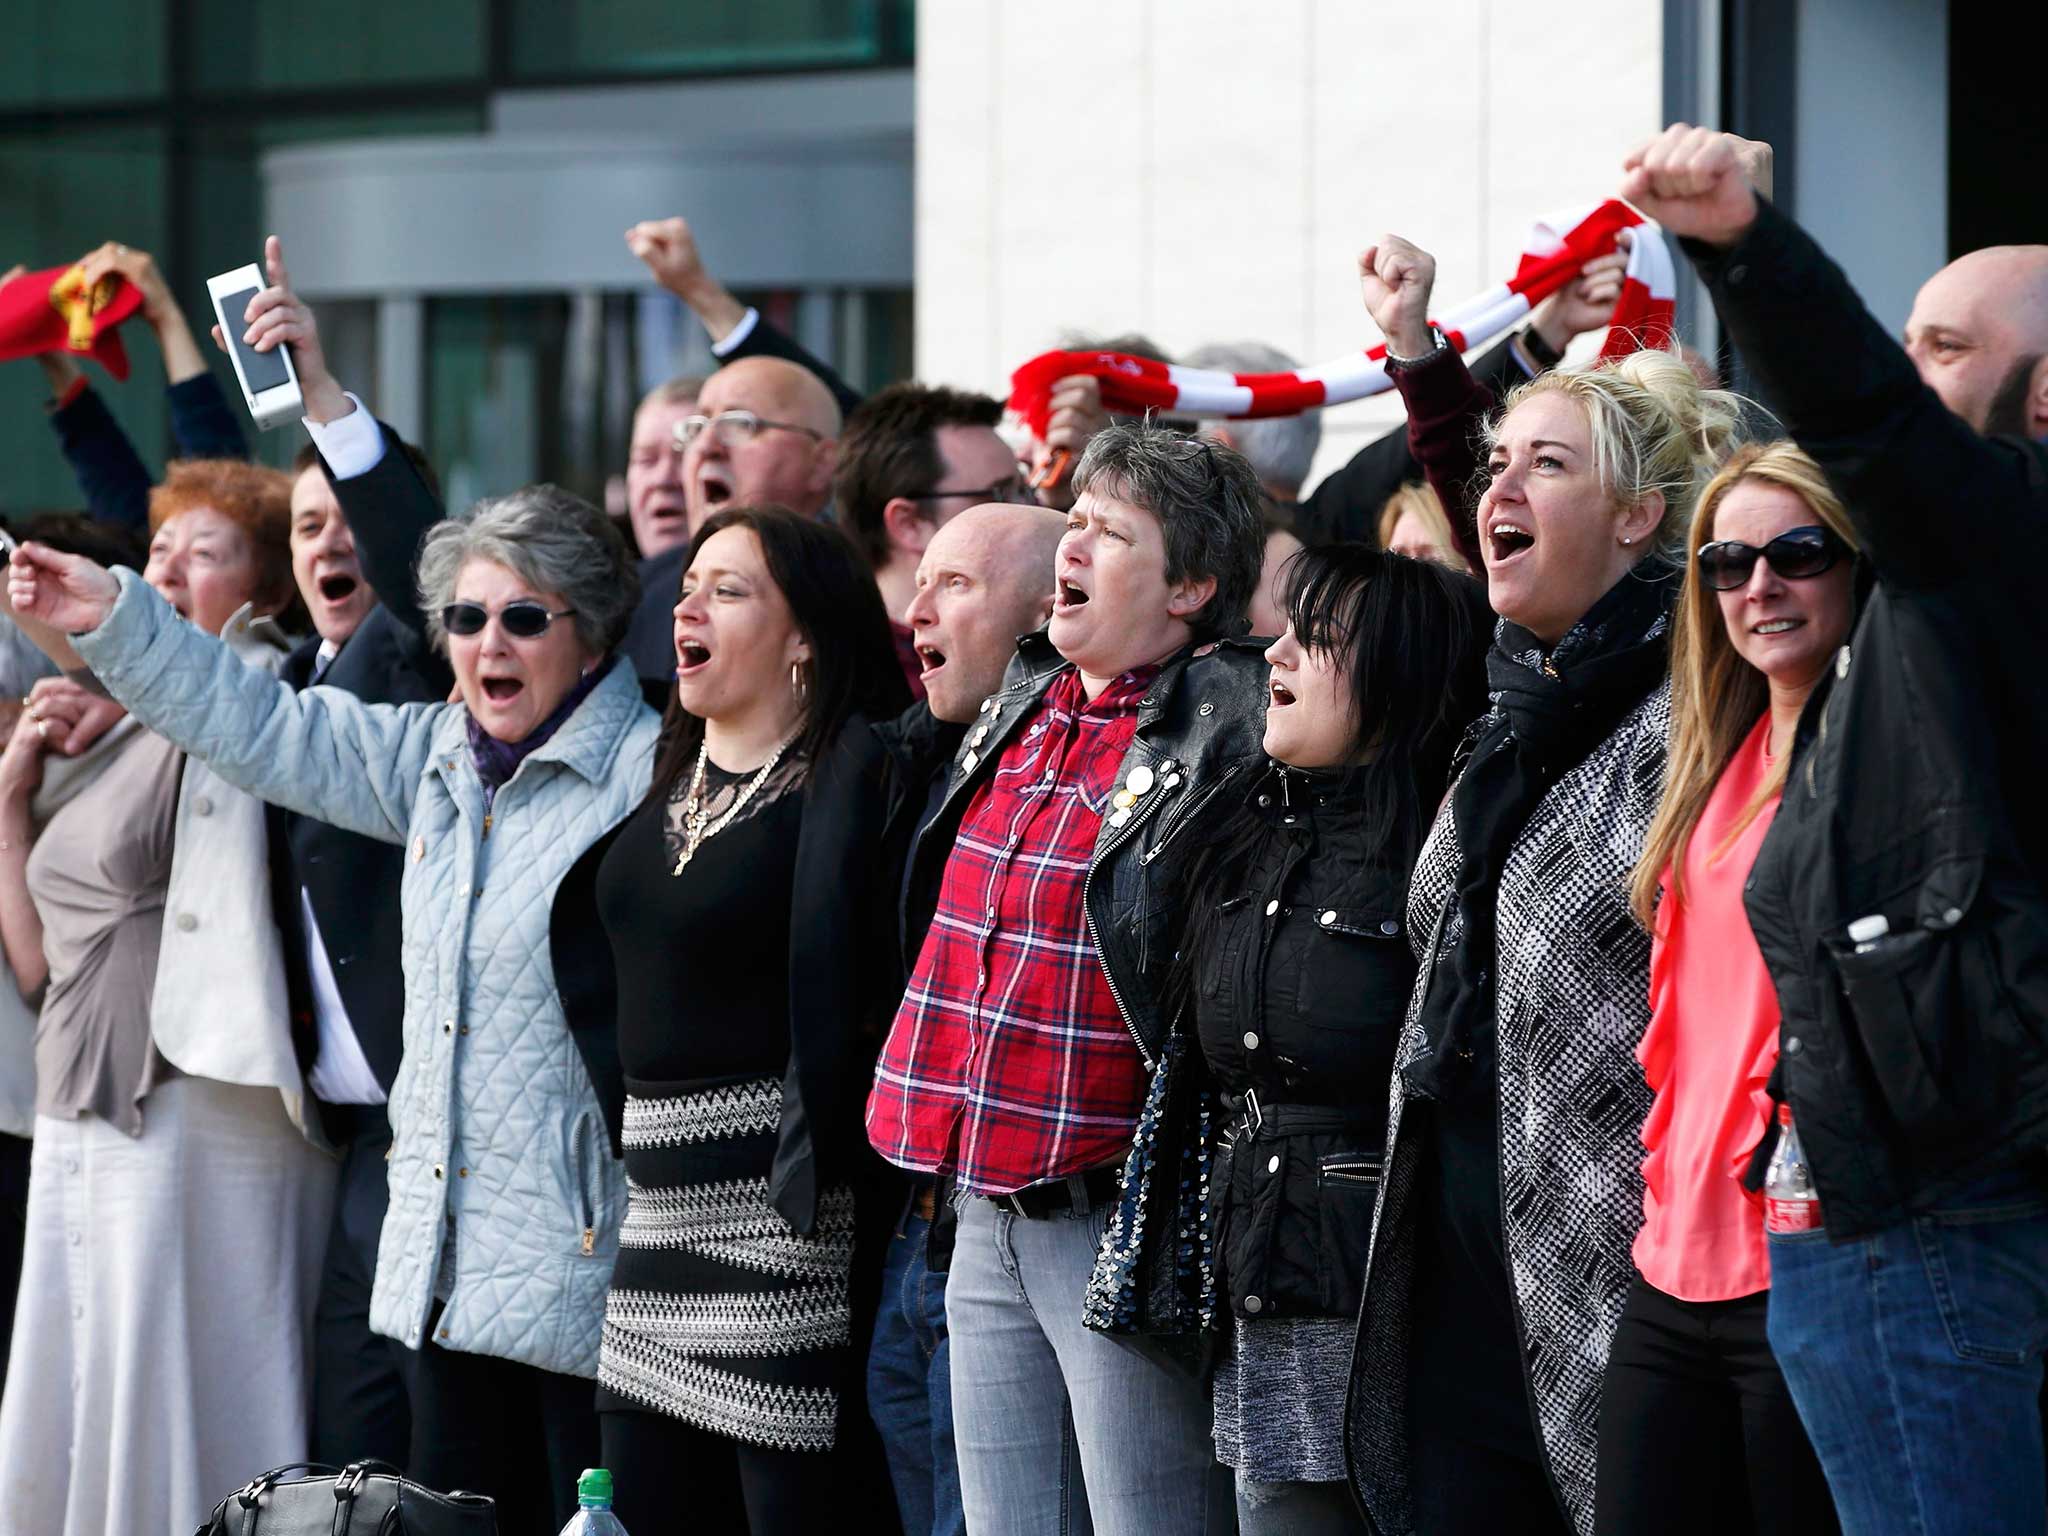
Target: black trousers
515,1432
674,1479
362,1381
1697,1430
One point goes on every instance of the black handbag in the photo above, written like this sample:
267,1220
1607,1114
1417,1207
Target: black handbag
365,1498
1154,1283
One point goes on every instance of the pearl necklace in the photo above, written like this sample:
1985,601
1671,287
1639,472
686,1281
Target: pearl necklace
696,828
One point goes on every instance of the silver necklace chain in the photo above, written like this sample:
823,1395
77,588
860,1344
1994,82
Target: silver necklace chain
697,830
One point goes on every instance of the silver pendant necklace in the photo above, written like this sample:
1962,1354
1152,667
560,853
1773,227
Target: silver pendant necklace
697,828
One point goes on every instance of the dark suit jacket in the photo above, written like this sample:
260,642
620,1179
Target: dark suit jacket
352,881
112,476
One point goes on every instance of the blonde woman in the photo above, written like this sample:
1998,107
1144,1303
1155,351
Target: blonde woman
1697,1429
1412,523
1510,1190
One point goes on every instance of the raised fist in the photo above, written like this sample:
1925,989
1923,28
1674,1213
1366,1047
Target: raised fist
1698,182
1396,277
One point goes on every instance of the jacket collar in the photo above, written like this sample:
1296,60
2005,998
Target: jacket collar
586,743
256,639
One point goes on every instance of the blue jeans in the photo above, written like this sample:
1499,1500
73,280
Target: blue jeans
910,1387
1915,1358
1063,1431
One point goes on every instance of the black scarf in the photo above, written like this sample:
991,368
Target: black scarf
1549,713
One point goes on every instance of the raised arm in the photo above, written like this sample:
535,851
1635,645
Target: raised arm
202,422
1927,493
389,506
1446,405
323,752
669,249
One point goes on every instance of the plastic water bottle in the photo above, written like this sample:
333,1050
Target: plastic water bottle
1791,1203
594,1515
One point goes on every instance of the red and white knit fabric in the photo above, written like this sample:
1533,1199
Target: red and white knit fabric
1557,248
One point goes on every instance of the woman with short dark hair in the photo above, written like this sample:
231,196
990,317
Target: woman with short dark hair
751,929
1296,972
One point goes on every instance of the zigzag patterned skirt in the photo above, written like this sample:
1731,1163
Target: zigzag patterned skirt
720,1314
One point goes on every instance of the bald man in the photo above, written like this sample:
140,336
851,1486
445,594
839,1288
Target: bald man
984,579
1978,335
771,435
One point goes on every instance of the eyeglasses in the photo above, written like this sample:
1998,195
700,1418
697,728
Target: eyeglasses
1012,491
522,620
1796,554
735,427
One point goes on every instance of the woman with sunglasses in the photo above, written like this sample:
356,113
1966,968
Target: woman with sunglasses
750,922
1510,1194
506,1197
1698,1431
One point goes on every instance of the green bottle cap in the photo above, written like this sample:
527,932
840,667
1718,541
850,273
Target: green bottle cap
594,1489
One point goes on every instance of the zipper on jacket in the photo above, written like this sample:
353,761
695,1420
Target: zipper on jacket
1183,815
589,1241
1088,921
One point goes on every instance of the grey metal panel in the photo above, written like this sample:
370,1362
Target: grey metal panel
756,107
510,213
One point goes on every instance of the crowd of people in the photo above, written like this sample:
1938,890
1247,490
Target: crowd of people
1065,985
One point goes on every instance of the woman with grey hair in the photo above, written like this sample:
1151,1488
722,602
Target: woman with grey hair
505,1196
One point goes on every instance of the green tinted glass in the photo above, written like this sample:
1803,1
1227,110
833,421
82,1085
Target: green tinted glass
658,37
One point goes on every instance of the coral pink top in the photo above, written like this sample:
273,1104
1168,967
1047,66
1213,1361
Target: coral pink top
1710,1047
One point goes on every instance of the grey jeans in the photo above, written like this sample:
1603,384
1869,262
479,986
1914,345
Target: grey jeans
1060,1430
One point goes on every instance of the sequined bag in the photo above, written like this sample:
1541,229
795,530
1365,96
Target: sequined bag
1154,1283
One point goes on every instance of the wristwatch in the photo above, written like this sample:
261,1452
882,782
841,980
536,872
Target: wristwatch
1396,364
1539,350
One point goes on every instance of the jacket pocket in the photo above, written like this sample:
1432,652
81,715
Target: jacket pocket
1356,970
1929,1013
586,1153
1218,968
1347,1188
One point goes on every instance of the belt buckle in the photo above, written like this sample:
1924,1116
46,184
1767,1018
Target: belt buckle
1254,1117
1013,1205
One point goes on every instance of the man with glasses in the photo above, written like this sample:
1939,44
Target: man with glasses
765,431
913,458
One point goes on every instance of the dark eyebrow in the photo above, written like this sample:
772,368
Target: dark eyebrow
1548,442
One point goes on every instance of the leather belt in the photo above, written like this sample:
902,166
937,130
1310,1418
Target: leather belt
1077,1195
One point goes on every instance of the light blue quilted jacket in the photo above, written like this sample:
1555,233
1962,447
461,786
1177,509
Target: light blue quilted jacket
500,1168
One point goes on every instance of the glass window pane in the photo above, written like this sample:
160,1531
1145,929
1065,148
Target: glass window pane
244,45
657,37
61,194
494,385
59,51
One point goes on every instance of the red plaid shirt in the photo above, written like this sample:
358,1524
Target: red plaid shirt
1009,1062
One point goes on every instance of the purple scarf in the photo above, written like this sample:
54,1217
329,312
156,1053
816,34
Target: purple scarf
497,761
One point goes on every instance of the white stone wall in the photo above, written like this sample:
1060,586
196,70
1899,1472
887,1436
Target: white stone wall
1208,171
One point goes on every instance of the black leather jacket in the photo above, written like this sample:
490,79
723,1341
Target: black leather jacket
1917,1060
1298,989
1198,731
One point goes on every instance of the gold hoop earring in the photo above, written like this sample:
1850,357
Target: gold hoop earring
797,685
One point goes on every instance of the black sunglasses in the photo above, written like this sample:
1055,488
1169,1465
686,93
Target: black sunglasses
1796,554
522,620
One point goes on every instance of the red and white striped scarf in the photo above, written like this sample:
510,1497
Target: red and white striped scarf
1557,248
